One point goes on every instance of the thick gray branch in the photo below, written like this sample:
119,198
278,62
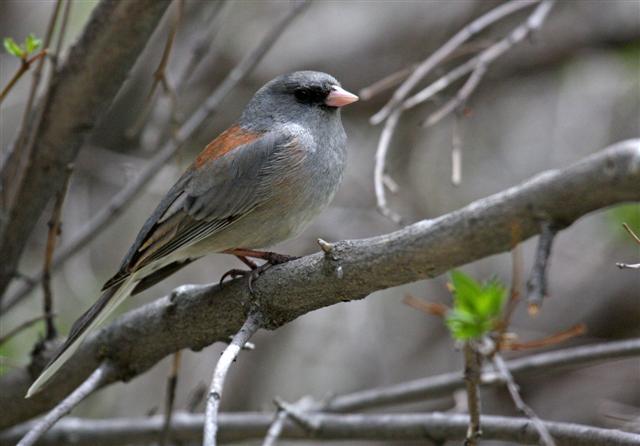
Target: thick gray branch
80,93
201,315
252,425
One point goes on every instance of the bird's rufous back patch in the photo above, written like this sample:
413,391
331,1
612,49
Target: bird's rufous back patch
228,140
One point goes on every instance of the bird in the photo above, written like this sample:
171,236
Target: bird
258,183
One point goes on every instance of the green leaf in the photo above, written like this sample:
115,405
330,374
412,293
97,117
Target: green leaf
32,43
465,326
13,48
626,213
465,290
476,306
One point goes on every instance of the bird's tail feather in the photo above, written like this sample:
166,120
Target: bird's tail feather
91,319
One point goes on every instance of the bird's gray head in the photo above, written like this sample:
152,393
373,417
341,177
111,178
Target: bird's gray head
305,97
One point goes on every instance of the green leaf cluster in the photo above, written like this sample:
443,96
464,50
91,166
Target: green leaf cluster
31,43
476,306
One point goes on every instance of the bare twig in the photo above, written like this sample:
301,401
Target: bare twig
160,76
456,152
445,50
537,283
23,326
472,373
430,308
92,383
399,427
500,365
120,202
251,325
556,338
379,170
633,235
172,382
55,57
202,43
55,228
296,412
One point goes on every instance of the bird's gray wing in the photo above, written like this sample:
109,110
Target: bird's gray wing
213,193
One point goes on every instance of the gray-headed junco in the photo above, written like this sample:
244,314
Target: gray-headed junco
258,183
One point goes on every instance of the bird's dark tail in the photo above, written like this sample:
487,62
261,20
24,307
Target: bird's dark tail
93,317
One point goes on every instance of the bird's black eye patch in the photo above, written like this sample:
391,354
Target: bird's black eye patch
310,95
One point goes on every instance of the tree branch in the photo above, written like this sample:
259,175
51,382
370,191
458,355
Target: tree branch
250,326
201,315
447,383
92,383
436,427
80,93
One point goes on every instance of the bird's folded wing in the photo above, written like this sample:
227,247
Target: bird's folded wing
225,183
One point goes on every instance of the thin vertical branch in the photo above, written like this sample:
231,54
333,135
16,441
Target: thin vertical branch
55,228
92,383
55,57
472,374
172,383
202,44
537,283
160,76
250,326
380,166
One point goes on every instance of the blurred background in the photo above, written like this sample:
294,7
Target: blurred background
569,91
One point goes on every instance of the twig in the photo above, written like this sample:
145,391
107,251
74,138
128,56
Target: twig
380,166
202,43
430,308
556,338
460,97
55,225
456,152
631,233
397,77
93,382
537,283
119,203
251,325
160,76
499,364
385,83
254,57
172,382
55,57
485,58
445,50
35,82
294,411
397,427
22,326
25,64
472,371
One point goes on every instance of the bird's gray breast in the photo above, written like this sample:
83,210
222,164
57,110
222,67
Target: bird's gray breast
312,173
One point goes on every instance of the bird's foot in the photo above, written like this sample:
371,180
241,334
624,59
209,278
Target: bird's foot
251,274
271,258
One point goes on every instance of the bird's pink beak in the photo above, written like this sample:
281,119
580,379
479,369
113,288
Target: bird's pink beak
339,97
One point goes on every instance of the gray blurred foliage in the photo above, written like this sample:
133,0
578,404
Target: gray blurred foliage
569,92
